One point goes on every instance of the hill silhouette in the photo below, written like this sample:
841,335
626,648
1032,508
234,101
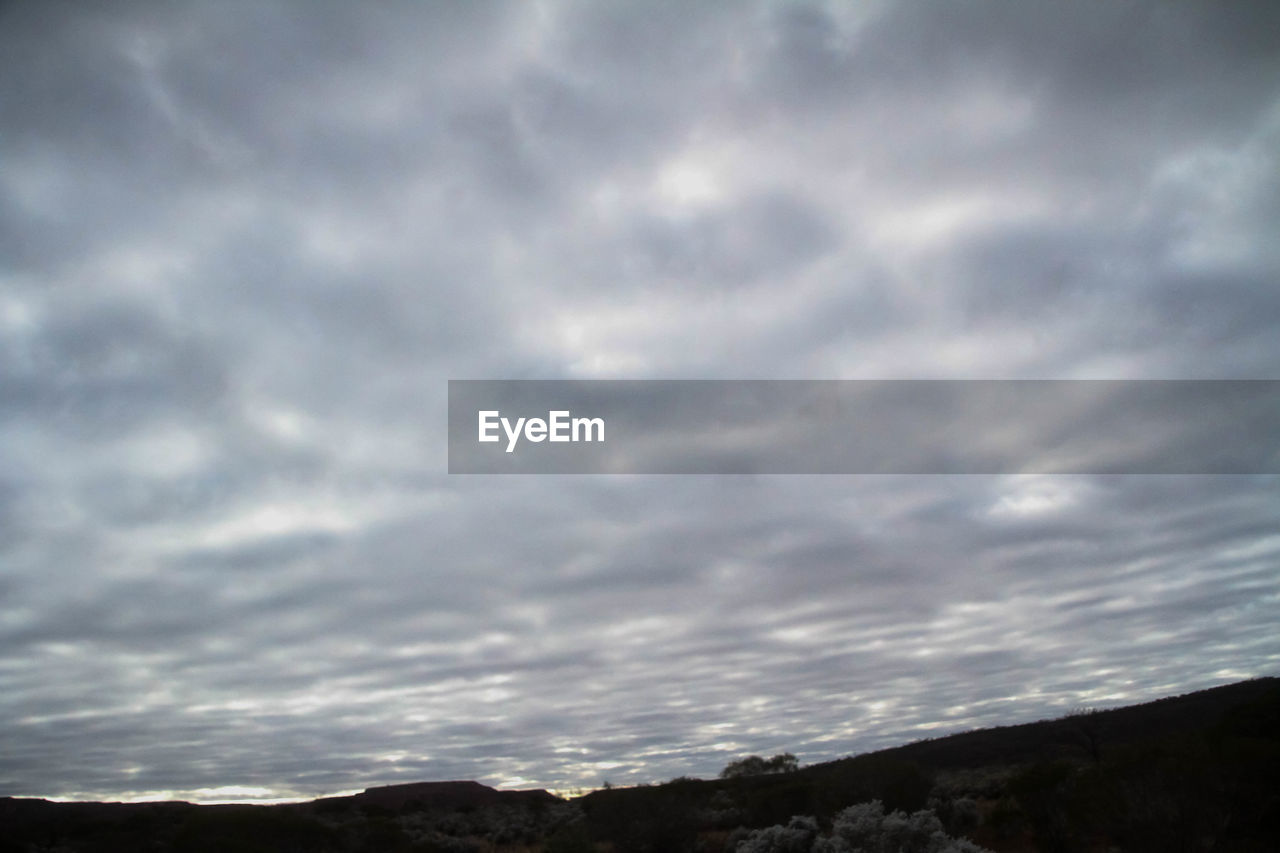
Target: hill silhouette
1194,772
437,795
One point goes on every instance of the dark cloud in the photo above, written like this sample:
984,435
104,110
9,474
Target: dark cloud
243,248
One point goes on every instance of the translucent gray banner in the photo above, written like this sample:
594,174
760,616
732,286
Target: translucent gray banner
864,427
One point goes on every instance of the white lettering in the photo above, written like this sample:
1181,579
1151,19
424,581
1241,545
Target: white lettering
559,426
588,424
486,425
513,435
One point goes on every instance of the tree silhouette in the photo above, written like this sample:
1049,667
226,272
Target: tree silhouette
754,765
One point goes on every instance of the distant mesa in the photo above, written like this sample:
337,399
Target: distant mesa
441,795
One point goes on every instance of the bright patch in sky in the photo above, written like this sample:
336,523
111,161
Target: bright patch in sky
687,183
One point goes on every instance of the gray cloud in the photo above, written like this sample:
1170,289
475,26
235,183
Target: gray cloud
242,250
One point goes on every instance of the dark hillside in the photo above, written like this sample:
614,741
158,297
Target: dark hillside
1084,734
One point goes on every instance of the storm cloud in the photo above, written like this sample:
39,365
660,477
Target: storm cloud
244,246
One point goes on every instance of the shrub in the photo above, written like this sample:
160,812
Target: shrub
573,838
861,828
754,765
796,837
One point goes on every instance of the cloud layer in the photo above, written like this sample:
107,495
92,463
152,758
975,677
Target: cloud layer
243,247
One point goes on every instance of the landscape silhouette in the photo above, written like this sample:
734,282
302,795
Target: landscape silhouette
1194,772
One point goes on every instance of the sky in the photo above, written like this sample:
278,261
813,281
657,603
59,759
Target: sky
244,245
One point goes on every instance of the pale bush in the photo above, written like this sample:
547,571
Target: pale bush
796,837
861,828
